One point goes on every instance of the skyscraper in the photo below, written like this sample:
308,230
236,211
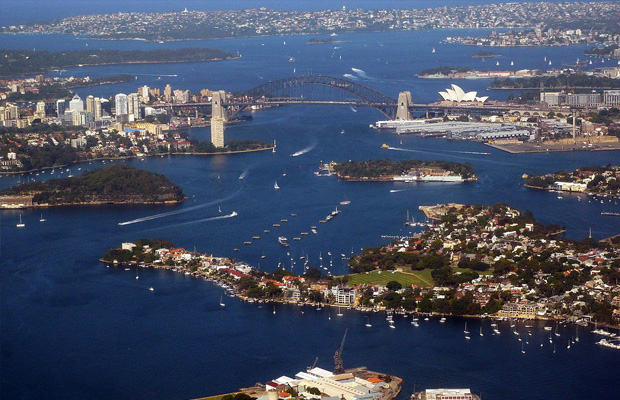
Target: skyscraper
90,104
133,106
60,107
121,107
97,112
76,104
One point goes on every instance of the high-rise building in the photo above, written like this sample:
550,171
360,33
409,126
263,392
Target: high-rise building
60,107
145,95
97,112
133,106
121,106
90,104
217,131
168,92
76,104
40,110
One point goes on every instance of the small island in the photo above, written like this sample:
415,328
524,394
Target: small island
117,184
594,180
25,62
323,41
486,54
403,171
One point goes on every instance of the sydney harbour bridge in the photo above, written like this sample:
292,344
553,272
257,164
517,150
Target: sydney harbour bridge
326,90
323,90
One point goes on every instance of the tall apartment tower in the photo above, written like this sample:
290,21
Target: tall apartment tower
217,131
97,112
133,106
121,106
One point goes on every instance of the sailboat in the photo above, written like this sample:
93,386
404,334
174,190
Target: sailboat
222,301
465,331
20,224
137,276
275,186
274,309
496,62
432,51
481,334
274,146
368,325
522,349
339,312
512,63
42,219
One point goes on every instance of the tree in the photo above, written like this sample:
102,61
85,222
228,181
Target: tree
394,285
314,391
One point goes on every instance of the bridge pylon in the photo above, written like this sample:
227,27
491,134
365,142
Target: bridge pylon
217,109
404,102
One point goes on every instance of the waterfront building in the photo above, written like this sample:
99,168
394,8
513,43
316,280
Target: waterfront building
448,394
217,131
76,104
344,295
458,95
526,310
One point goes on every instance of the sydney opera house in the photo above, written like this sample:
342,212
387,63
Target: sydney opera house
458,95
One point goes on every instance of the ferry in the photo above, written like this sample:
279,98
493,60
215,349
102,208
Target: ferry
276,225
304,234
266,230
283,241
247,243
255,237
296,238
284,220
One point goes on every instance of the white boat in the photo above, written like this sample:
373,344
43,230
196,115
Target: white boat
275,186
339,312
42,219
481,334
20,224
512,63
442,320
465,331
221,301
151,288
432,51
283,240
274,309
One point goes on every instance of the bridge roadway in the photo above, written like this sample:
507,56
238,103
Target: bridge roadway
432,107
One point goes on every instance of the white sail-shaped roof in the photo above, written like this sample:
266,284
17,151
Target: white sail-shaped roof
456,94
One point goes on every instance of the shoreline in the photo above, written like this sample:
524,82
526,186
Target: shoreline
8,173
231,291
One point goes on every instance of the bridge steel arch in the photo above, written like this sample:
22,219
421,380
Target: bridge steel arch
367,96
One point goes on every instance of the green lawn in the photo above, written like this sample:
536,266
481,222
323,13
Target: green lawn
420,278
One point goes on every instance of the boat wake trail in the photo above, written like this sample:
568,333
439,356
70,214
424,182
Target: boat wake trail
184,210
397,190
231,215
361,73
350,76
304,150
244,173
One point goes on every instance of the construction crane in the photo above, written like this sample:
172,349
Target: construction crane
313,364
338,368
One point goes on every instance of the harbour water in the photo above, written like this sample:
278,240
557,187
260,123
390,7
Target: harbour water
72,328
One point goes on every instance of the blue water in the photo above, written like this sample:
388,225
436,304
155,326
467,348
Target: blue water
72,328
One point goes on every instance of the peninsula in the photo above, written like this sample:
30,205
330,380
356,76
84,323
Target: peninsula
474,260
25,62
594,180
404,171
117,184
